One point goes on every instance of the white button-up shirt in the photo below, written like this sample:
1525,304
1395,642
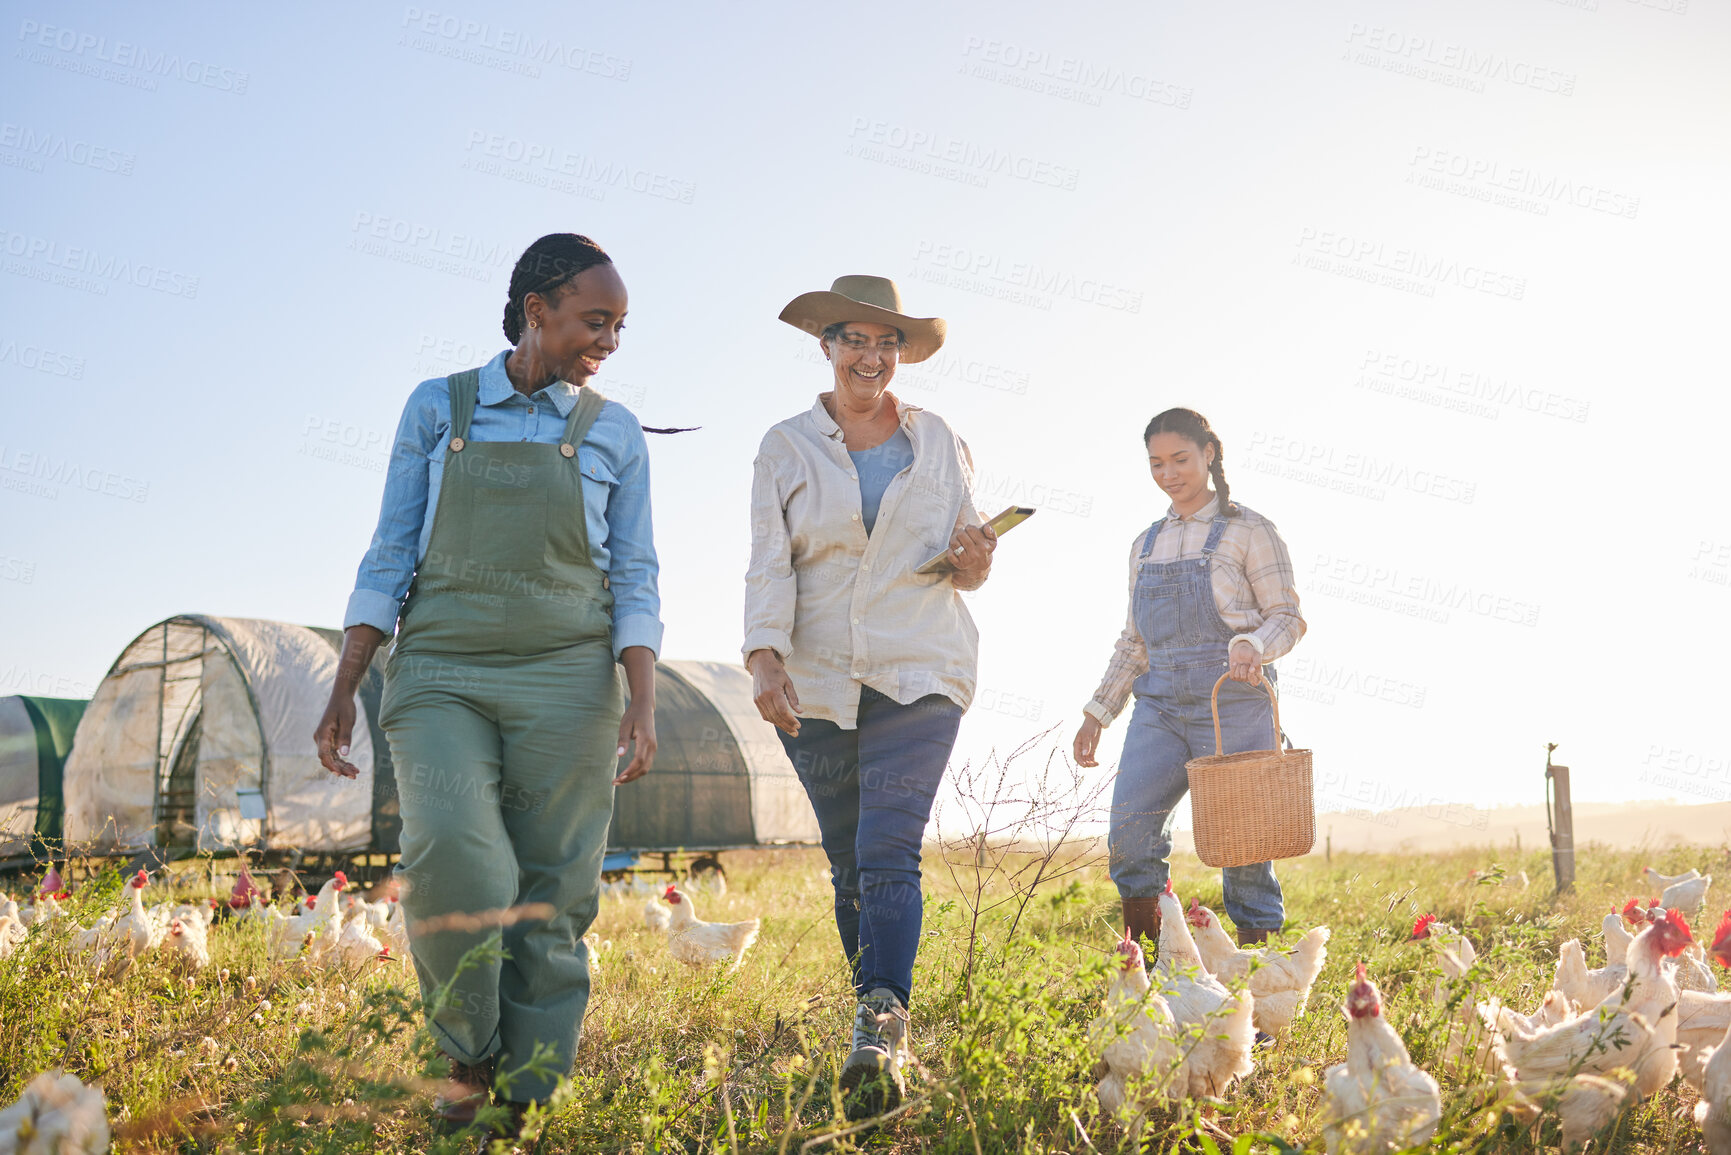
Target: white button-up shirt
844,609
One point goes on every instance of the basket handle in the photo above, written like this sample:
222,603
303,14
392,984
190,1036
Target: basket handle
1214,707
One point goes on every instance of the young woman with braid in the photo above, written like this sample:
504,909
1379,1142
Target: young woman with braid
515,563
1211,592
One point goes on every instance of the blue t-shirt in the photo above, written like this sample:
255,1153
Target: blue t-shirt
877,466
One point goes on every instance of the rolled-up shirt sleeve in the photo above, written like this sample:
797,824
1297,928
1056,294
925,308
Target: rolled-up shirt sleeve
388,566
1129,660
770,584
969,514
633,570
1273,582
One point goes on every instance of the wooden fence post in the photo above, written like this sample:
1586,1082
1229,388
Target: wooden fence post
1559,809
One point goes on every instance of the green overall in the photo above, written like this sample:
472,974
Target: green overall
502,704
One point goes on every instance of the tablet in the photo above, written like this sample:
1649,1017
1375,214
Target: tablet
1011,517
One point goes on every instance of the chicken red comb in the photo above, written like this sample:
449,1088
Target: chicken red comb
668,893
1169,889
341,879
1722,936
1674,932
141,879
1362,1001
1421,928
1633,911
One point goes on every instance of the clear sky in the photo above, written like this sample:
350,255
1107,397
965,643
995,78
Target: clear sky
1447,277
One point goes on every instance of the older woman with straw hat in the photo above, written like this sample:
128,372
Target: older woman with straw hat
864,665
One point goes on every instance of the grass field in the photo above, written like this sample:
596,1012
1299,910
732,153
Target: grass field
279,1058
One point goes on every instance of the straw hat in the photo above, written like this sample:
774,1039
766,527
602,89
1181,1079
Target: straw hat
872,299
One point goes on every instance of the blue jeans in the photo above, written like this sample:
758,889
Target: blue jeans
1165,733
872,790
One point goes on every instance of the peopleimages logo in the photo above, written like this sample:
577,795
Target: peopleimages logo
514,42
88,262
1374,257
125,54
46,468
889,143
1026,276
40,146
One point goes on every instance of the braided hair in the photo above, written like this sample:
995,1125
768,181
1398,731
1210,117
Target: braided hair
546,267
1193,427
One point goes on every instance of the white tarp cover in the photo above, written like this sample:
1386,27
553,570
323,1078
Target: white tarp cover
780,811
111,775
18,776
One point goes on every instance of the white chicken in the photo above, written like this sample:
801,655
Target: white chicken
1617,939
1634,1028
1217,1019
1377,1101
57,1115
1654,878
1684,892
696,943
396,933
1468,1042
187,942
1585,987
315,931
1280,981
1136,1039
131,934
656,916
1702,1018
1713,1112
356,945
1692,973
12,933
1555,1008
88,940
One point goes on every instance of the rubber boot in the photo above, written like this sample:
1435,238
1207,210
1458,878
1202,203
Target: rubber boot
1142,920
1252,937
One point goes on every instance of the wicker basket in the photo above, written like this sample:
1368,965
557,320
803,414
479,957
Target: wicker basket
1254,806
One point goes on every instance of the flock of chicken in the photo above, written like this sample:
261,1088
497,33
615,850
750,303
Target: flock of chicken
331,929
1602,1039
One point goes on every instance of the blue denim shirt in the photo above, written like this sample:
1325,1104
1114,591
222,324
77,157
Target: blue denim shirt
615,461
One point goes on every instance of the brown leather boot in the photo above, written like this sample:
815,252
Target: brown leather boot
466,1091
1142,919
1252,937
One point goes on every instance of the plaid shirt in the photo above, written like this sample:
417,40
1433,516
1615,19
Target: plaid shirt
1254,590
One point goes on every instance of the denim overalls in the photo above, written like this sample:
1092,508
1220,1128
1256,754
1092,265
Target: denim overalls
502,703
1186,642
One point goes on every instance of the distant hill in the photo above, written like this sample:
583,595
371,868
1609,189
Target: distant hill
1626,825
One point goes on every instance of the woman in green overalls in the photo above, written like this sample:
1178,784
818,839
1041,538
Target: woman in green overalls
515,563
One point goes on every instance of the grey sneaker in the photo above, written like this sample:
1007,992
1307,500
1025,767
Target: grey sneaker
871,1079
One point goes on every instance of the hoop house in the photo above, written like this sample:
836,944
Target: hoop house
35,735
200,738
721,779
